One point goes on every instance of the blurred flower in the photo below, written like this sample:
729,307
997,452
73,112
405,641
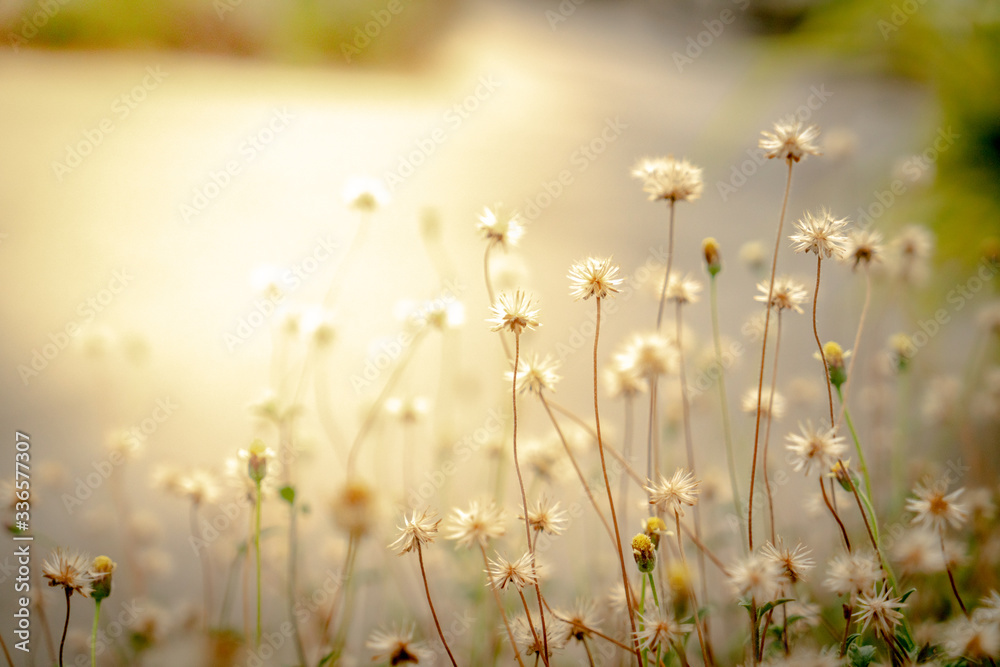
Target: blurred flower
821,234
353,508
710,250
754,255
854,573
918,551
787,294
256,457
416,531
650,354
407,410
101,571
200,486
396,646
756,577
974,641
683,289
791,141
525,638
934,508
365,194
594,277
661,631
749,403
477,526
535,374
863,247
910,254
580,620
668,178
514,313
500,226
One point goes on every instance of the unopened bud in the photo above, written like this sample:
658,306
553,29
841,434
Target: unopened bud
101,571
644,553
712,259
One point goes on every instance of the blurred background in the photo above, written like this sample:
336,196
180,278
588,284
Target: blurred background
176,180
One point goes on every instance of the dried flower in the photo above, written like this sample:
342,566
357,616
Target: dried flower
820,446
795,562
650,355
594,277
820,234
514,313
70,570
879,609
580,620
668,178
670,495
934,508
503,573
354,508
790,140
416,531
661,630
501,226
524,636
546,517
365,194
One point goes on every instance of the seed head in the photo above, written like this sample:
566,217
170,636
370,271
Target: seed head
71,570
791,141
668,178
503,573
934,508
670,495
821,447
500,226
477,526
788,294
594,277
821,234
514,313
416,531
535,374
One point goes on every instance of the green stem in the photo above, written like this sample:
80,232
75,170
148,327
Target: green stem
652,587
862,465
93,634
642,619
256,546
726,425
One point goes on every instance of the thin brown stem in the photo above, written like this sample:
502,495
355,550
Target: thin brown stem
576,467
826,499
10,662
590,658
702,639
763,353
607,486
524,497
430,603
704,549
62,642
822,354
531,625
951,576
503,614
594,631
767,429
